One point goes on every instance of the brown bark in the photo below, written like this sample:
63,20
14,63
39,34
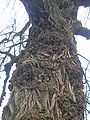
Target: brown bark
47,84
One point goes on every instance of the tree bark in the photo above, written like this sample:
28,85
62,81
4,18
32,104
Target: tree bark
48,81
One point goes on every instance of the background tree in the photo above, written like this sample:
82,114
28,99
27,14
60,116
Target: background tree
47,83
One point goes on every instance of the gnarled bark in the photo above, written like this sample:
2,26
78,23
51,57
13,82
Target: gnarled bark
47,84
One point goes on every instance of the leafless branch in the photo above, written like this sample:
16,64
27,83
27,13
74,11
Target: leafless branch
84,57
79,30
22,31
7,66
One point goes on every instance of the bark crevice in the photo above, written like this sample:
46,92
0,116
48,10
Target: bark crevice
47,83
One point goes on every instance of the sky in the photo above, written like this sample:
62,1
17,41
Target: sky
17,15
83,45
10,10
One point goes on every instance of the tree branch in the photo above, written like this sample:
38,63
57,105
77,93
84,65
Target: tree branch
84,57
4,40
7,68
22,31
84,3
7,53
79,30
83,32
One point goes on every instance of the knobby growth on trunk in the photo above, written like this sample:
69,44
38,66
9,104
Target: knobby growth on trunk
48,81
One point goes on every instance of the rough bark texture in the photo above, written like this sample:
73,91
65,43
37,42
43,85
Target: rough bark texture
47,84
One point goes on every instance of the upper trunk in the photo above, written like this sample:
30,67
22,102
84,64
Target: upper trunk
47,84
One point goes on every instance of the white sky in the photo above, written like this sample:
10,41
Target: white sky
83,45
17,11
9,12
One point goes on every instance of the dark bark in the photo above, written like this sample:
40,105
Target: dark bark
85,3
47,84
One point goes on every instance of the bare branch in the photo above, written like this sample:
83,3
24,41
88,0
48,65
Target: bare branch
83,2
79,30
17,44
84,57
7,53
86,86
4,40
22,31
7,68
83,32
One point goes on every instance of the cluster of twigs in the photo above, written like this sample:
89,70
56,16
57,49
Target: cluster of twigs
10,47
86,83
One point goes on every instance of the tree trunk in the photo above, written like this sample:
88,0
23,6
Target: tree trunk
47,84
